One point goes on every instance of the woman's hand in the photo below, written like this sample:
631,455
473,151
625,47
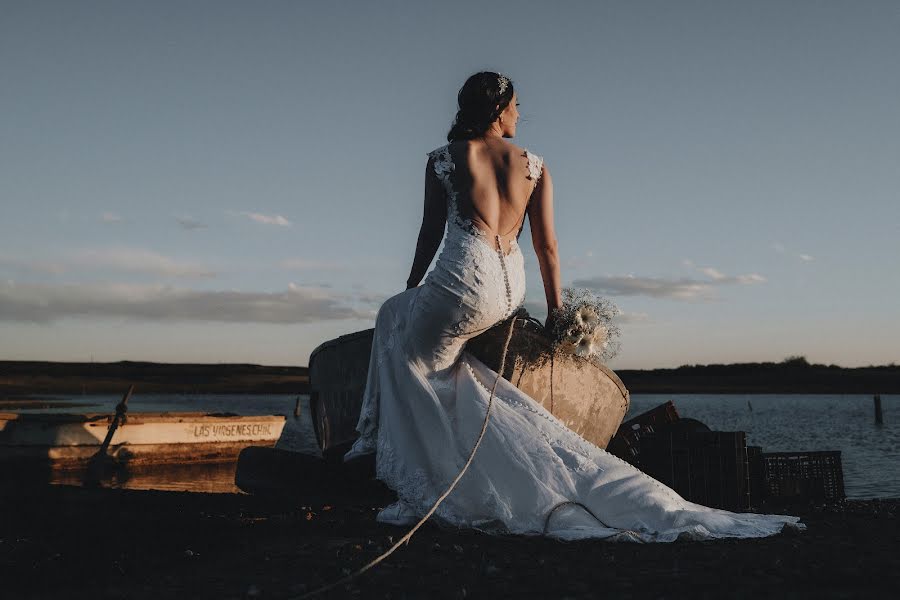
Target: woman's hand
550,322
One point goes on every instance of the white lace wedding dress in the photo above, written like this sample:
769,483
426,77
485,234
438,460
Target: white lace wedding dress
425,402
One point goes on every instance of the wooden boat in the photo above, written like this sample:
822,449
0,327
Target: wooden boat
583,393
62,441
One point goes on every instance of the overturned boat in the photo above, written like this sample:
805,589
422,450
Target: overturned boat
584,394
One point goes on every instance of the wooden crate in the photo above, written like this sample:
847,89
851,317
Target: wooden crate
626,444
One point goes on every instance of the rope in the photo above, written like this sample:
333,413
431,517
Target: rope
409,534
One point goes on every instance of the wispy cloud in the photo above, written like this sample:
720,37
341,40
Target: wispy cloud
538,310
109,217
632,317
137,260
120,259
712,273
45,303
806,257
683,288
261,218
189,223
655,287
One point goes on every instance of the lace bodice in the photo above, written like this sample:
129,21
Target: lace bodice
444,166
488,283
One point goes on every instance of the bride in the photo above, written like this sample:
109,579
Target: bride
426,397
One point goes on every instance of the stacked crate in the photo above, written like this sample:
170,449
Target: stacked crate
810,476
706,467
718,469
626,444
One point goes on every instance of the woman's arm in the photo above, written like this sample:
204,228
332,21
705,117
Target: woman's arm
543,236
431,232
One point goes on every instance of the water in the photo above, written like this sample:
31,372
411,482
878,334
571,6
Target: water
870,453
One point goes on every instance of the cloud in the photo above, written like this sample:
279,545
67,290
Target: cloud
806,257
44,303
778,247
631,317
121,259
109,217
684,288
712,273
538,310
264,219
137,260
190,224
656,287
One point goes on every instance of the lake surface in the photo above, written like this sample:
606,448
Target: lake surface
779,423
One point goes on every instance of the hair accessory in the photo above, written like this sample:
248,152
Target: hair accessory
503,82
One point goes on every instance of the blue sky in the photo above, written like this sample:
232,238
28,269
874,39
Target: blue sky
239,181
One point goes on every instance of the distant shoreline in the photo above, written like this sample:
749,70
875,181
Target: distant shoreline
26,378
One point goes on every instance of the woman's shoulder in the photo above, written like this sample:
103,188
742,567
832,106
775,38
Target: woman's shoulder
535,161
439,151
444,154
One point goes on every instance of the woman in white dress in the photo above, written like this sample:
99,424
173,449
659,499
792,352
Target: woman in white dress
426,397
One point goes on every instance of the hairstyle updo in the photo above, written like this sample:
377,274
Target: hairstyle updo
480,103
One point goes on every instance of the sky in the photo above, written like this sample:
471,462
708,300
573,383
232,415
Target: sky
241,181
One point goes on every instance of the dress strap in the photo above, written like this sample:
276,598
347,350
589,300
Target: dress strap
535,166
443,162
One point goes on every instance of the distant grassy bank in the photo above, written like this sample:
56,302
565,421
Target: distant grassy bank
792,376
32,377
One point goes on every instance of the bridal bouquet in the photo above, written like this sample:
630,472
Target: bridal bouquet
583,325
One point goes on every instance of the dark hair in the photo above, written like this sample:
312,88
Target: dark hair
480,103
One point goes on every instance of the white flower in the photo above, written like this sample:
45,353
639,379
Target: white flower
585,346
586,318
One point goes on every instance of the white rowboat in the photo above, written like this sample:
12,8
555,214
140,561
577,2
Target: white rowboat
69,440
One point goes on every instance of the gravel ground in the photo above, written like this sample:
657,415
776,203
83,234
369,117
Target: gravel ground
70,542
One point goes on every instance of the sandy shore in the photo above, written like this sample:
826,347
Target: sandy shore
68,542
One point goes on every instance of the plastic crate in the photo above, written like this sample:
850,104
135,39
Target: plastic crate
757,476
706,467
811,476
626,444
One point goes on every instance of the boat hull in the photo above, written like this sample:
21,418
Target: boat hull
68,440
584,394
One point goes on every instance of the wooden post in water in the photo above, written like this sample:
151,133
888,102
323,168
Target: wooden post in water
878,418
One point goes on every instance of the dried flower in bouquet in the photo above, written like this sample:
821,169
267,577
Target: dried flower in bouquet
583,325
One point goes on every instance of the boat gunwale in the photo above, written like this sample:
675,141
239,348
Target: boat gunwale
137,417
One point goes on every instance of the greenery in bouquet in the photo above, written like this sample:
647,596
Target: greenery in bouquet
583,325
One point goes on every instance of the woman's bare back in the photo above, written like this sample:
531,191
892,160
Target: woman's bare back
494,181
